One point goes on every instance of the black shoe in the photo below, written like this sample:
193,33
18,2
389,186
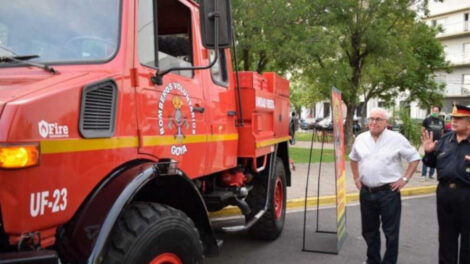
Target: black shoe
431,177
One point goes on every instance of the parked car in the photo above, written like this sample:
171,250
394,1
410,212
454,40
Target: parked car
308,123
356,126
304,125
397,126
325,124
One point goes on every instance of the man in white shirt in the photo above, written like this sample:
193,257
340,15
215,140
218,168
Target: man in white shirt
376,165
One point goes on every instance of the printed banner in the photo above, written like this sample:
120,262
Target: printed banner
340,169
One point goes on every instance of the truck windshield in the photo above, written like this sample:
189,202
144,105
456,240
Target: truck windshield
60,31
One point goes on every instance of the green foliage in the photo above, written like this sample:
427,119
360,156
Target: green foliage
303,136
267,33
304,94
411,129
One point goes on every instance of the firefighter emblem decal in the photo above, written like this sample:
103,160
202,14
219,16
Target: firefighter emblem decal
176,115
178,120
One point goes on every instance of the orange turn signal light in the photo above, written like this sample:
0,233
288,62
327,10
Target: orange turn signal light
18,156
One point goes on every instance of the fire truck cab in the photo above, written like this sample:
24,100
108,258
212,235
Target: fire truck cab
122,125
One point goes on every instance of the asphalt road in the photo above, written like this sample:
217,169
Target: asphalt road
418,238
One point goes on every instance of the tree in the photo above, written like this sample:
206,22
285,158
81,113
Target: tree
410,71
302,93
269,34
375,49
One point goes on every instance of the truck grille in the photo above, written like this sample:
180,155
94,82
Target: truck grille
98,109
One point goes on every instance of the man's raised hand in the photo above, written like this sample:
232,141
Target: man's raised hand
428,143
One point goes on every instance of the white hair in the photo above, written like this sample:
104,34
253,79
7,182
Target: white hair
380,111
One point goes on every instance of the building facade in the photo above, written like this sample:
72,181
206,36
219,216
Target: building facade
453,17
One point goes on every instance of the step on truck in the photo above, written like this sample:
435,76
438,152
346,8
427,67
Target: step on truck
123,126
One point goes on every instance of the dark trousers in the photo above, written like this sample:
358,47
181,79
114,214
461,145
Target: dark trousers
383,206
425,171
453,216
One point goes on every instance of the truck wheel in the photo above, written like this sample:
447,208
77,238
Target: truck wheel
155,234
270,226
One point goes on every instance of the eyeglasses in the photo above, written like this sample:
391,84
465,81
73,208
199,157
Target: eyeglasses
375,119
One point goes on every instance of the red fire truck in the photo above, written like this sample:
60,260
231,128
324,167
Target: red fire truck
122,126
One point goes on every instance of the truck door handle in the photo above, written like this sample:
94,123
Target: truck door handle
198,109
231,113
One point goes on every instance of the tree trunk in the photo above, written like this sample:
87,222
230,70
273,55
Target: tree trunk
363,115
262,62
348,128
355,62
246,60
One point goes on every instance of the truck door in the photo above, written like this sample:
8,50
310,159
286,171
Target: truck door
171,116
223,140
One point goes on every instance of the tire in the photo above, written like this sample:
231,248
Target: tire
270,226
156,234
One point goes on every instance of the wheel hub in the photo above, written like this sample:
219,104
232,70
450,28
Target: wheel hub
166,258
278,198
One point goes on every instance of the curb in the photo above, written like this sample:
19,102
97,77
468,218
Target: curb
325,200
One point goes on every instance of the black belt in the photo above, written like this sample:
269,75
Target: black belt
385,187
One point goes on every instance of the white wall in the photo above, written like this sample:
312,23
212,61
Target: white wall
447,6
456,52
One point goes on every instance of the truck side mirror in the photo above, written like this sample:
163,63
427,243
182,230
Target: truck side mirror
208,16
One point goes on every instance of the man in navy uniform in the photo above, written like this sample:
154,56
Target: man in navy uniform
451,157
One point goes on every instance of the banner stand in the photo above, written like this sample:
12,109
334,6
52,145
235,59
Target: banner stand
323,241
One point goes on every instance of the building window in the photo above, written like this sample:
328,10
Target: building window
466,52
326,109
466,84
465,22
359,110
434,23
442,23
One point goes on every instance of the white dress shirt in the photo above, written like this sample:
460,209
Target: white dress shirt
380,161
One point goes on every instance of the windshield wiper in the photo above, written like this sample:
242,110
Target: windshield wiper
24,59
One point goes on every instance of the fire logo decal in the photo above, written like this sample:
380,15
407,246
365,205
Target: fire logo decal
178,120
182,117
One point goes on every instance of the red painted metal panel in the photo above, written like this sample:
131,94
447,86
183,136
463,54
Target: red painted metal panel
265,111
276,83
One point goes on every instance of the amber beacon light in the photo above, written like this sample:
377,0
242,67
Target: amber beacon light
18,156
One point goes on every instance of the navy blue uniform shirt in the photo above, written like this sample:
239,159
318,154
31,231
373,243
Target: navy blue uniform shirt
449,159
